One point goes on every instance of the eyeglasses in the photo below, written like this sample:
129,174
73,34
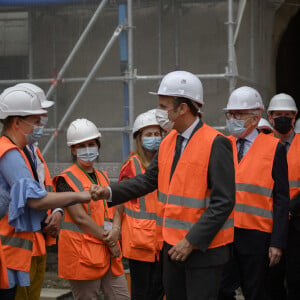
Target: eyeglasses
236,115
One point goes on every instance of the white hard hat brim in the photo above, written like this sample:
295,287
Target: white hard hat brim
177,95
47,103
4,115
97,136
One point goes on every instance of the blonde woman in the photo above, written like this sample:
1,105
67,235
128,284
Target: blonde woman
141,237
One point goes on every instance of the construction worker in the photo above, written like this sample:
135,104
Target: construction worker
282,112
261,210
51,223
264,126
297,126
20,112
83,257
194,174
141,240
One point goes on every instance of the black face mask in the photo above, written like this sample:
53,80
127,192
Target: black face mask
266,131
283,124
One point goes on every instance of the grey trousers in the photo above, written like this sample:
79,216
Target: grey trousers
113,288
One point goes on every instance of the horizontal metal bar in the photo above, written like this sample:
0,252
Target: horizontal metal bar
104,129
109,78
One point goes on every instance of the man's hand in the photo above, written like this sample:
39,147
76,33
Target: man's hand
53,222
181,250
98,192
274,256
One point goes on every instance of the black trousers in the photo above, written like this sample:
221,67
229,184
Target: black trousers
276,288
146,280
189,280
248,265
8,294
293,263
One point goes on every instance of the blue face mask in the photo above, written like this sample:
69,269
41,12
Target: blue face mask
236,127
36,134
151,143
88,154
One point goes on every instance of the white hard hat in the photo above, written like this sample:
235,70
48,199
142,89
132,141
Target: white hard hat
17,101
244,97
181,84
297,126
143,120
81,130
282,102
263,123
39,92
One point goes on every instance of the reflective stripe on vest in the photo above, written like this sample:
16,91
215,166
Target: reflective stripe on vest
14,241
142,214
71,226
80,187
253,210
294,183
185,225
256,189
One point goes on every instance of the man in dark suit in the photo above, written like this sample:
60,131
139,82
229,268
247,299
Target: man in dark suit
261,210
282,112
194,174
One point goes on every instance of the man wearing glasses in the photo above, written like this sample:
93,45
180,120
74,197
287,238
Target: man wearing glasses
262,195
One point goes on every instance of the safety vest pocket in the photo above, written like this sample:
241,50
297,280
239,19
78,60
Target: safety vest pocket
143,237
93,252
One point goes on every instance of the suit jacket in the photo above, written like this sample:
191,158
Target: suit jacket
221,181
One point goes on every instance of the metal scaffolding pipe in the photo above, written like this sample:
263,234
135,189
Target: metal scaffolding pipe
105,79
88,80
231,50
130,68
77,46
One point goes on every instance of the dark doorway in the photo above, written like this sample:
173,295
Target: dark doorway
288,61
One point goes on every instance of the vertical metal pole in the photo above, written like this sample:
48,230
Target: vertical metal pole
176,9
30,54
252,40
160,9
231,54
55,91
130,68
123,42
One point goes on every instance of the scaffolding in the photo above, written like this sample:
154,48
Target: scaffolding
124,32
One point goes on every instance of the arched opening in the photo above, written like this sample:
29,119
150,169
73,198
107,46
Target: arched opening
288,61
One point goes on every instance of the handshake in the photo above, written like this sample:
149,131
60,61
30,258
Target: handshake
97,192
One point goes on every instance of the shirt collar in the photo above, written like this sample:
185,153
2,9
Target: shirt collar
251,136
290,138
187,133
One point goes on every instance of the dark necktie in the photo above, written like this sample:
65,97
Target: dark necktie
177,154
241,149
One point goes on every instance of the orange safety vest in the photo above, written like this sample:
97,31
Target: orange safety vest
139,233
82,256
39,242
185,198
294,167
17,246
254,184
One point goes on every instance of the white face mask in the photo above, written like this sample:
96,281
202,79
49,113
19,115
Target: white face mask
236,127
163,119
88,154
44,120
